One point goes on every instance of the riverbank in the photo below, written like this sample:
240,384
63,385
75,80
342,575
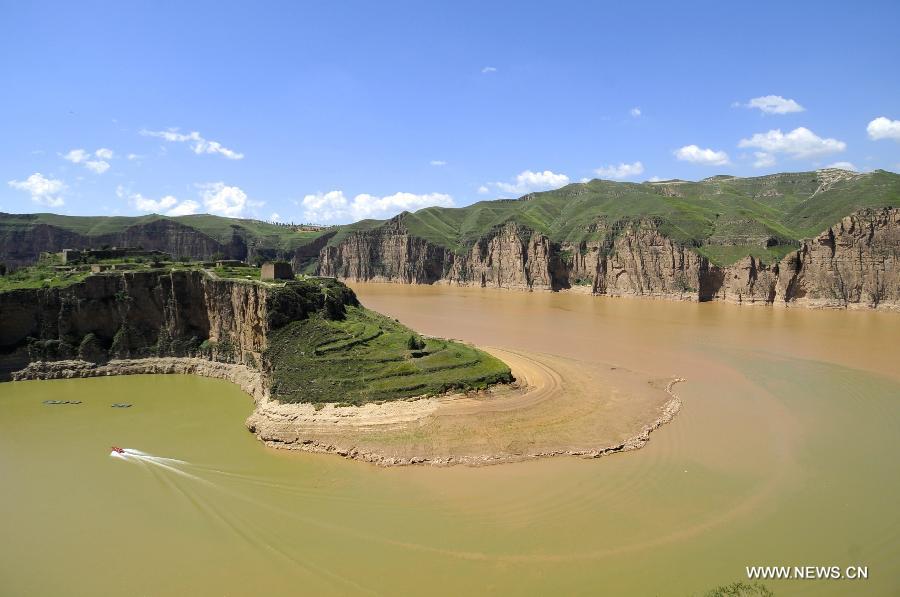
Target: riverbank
556,407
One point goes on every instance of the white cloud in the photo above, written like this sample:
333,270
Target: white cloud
275,217
763,159
799,143
635,112
774,104
185,208
152,205
654,179
76,156
97,166
488,69
483,190
697,155
529,182
884,128
438,163
335,207
219,198
198,144
843,166
168,205
620,171
43,190
204,146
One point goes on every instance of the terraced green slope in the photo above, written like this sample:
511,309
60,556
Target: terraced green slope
367,357
725,217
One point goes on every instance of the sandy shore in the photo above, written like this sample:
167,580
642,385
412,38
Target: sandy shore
557,407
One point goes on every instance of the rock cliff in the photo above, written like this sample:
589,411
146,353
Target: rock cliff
20,246
21,242
152,313
855,263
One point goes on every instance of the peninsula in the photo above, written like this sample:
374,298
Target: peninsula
326,374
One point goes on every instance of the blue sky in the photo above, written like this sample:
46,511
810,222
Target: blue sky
333,111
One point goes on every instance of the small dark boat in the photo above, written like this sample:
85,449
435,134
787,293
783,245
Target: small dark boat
118,450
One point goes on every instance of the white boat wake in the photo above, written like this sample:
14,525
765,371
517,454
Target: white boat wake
218,511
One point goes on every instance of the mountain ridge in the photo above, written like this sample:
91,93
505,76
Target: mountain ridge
712,238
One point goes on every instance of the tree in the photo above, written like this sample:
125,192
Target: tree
415,343
91,350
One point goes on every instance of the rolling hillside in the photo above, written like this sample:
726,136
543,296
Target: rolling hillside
723,218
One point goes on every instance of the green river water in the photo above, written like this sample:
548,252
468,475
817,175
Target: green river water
785,453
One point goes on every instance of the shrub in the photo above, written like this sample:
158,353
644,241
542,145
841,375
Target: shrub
741,589
121,345
49,350
91,349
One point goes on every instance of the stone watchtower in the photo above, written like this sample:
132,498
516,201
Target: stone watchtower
276,270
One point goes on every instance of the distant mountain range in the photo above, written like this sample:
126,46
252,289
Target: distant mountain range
572,236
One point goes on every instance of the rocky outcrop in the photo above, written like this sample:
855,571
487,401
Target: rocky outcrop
511,257
644,262
153,313
855,263
387,253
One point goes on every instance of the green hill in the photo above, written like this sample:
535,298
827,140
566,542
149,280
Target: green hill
724,217
219,228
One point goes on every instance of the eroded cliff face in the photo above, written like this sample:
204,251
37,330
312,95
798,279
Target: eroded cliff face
135,315
21,246
637,259
854,263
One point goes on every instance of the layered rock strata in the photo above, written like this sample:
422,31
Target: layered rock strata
855,263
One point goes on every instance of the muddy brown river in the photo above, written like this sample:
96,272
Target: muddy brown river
785,452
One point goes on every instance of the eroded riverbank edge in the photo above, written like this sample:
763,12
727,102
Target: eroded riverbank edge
435,430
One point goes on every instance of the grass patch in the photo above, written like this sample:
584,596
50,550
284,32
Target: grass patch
729,255
240,273
42,275
366,357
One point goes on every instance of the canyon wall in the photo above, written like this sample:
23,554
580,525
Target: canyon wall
855,263
21,245
154,313
135,314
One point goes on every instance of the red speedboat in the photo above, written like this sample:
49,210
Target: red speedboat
118,450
